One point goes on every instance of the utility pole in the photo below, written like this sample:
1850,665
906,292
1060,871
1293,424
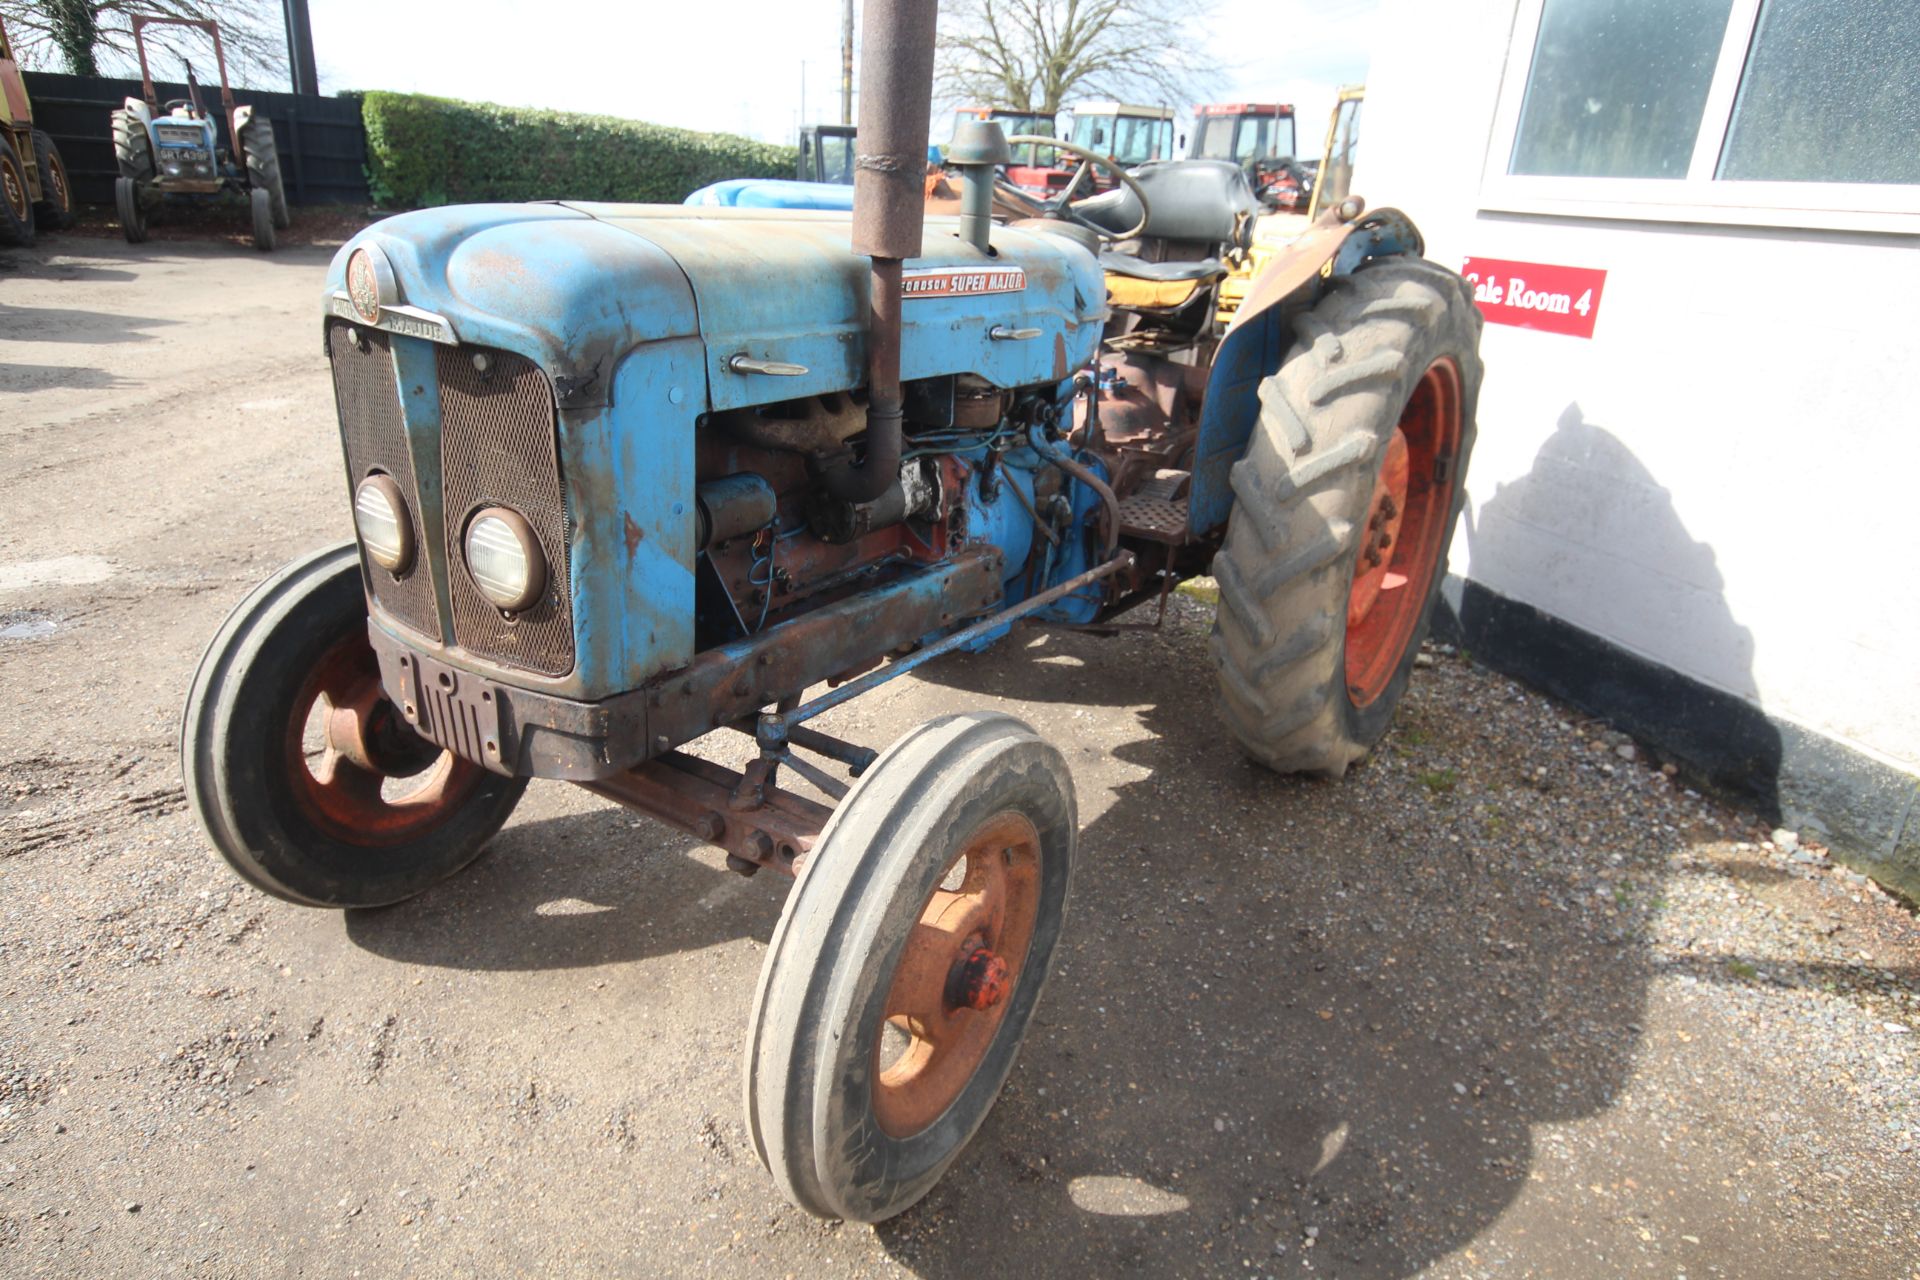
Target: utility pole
300,66
846,61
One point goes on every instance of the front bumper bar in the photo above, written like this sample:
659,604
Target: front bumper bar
527,733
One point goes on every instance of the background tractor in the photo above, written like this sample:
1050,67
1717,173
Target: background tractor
1033,167
625,476
1259,137
175,150
33,179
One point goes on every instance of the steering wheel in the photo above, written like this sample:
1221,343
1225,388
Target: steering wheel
177,104
1063,206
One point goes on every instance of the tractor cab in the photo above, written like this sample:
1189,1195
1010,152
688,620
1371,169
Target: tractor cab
826,154
1035,167
1259,137
1133,135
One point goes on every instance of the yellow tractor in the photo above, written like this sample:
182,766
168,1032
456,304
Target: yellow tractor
33,179
1332,184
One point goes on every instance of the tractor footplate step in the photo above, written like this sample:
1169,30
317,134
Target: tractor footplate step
1154,519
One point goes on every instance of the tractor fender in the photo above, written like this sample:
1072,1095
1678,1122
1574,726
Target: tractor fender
1261,333
138,108
242,116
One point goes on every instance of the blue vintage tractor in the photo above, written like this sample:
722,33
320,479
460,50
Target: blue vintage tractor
174,150
625,476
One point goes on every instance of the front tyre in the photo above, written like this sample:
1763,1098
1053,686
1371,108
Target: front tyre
899,983
16,204
54,212
132,208
263,167
304,777
1343,509
261,205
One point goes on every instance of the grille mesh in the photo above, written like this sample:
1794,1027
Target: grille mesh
498,447
374,434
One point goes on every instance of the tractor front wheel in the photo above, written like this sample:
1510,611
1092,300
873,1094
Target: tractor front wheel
16,205
55,208
899,983
303,774
130,203
263,167
261,205
132,148
1343,509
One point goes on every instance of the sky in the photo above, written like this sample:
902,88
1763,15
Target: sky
739,66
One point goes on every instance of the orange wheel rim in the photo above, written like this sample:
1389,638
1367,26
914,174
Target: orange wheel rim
16,189
345,743
957,974
57,181
1402,540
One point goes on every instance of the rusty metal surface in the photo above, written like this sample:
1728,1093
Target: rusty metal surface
896,94
373,434
544,735
498,447
1155,519
1299,262
696,795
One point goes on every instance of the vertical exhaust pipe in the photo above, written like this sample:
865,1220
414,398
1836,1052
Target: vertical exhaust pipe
889,212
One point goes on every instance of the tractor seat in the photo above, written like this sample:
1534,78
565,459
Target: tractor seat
1125,264
1209,201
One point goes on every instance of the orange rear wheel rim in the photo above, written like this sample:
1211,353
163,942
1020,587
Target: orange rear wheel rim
1403,536
956,976
15,188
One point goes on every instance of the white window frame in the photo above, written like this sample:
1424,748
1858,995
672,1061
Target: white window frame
1698,197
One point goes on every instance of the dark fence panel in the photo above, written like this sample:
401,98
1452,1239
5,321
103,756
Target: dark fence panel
323,145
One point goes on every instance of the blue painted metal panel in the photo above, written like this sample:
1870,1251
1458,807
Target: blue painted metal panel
1252,351
773,193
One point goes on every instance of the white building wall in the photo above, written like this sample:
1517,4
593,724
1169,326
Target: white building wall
1723,478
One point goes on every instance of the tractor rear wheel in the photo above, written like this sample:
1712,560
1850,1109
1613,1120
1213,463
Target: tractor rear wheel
131,205
899,983
303,774
55,209
132,148
263,167
1343,509
261,205
16,205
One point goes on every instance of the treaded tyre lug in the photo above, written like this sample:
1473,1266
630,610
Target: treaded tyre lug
1343,508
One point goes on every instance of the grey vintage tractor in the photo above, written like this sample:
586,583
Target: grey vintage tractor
625,476
174,150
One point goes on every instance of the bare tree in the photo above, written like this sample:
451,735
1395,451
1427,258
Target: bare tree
89,36
1033,55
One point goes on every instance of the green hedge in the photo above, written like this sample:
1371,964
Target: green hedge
428,151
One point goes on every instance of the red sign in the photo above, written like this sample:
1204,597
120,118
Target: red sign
1533,295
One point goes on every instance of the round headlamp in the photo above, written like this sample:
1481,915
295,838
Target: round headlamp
380,516
504,559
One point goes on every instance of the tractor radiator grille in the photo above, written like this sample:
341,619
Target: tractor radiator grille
374,435
498,448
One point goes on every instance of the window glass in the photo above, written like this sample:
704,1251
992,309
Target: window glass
1831,93
1617,87
1214,138
836,160
1251,141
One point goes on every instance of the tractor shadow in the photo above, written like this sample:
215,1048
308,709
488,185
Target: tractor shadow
584,889
1294,1022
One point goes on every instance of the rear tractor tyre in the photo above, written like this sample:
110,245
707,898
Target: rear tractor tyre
305,778
262,206
899,983
130,203
263,167
54,212
16,205
132,148
1343,509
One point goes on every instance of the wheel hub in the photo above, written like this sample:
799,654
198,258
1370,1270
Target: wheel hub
1400,545
958,967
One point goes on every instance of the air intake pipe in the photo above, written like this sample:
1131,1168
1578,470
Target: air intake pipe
889,208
